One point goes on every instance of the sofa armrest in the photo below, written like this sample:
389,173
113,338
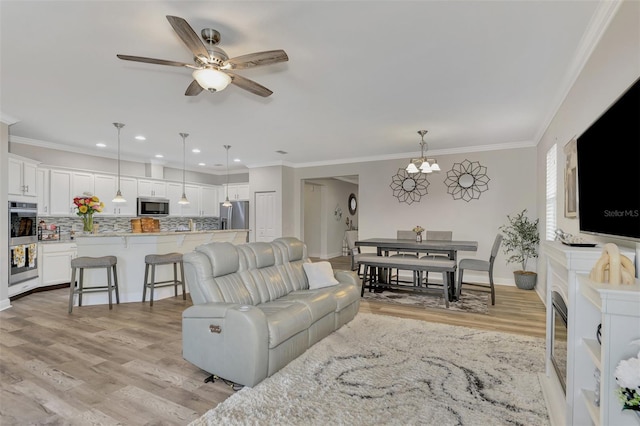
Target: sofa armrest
228,340
346,277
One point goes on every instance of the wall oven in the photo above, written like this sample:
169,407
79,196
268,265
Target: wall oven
559,337
23,242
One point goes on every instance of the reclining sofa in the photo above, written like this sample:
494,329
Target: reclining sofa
253,310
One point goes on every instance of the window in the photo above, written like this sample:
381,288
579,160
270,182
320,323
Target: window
552,191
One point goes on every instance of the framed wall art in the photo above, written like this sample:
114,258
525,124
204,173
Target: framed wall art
571,179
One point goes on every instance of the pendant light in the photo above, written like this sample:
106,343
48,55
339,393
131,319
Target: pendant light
422,164
227,203
184,199
118,198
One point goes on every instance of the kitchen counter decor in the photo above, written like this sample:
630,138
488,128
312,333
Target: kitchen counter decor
87,206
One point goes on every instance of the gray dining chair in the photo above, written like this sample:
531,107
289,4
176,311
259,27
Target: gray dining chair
479,265
437,236
354,252
404,235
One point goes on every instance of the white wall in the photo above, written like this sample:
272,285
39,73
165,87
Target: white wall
313,224
612,67
4,216
323,225
512,188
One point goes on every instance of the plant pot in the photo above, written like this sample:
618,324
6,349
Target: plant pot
525,280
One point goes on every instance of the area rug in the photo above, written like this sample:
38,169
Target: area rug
380,370
470,301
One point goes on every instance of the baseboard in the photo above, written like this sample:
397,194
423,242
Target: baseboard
5,304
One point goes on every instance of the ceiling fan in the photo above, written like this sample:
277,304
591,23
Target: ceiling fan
212,67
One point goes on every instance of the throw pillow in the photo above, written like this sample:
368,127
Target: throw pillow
319,274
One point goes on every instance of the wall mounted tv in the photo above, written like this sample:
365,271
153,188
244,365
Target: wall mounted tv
609,170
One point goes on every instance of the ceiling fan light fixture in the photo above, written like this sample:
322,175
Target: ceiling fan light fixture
211,79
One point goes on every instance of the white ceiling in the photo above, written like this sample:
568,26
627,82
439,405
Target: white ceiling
362,77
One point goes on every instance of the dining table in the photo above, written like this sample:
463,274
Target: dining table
448,247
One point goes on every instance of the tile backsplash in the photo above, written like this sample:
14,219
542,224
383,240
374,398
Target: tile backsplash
123,224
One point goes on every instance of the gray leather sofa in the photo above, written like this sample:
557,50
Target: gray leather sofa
253,310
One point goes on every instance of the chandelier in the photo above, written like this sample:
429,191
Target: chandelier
422,164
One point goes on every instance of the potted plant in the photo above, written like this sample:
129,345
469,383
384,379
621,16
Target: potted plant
520,243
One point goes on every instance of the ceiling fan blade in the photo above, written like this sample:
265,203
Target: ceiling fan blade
194,89
188,36
256,59
249,85
154,61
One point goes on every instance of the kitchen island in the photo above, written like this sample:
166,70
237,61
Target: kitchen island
131,249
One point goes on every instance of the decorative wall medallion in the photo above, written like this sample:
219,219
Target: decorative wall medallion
337,213
467,180
353,204
408,188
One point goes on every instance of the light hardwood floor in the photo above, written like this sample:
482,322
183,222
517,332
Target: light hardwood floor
125,366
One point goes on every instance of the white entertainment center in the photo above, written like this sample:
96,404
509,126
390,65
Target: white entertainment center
589,304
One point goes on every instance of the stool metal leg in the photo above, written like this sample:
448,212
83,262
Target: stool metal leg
72,288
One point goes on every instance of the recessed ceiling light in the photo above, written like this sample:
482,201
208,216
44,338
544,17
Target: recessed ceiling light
236,160
141,138
159,156
101,145
195,151
201,164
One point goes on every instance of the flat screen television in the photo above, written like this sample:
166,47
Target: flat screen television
608,169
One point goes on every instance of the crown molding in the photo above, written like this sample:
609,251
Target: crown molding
7,119
602,17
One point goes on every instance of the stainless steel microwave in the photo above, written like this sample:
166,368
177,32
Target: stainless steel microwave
152,206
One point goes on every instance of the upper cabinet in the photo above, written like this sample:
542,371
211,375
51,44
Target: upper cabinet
209,201
22,177
152,188
60,199
106,187
42,188
237,191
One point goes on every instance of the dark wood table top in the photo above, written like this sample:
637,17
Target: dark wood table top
425,245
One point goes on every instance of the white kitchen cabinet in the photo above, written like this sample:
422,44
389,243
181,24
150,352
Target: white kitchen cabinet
237,191
152,188
55,262
209,204
106,187
22,177
60,198
42,189
83,184
174,193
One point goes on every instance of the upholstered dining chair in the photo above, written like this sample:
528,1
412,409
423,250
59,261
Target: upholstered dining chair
405,235
479,265
354,251
438,236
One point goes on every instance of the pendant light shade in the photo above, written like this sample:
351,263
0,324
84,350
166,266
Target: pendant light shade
227,203
183,199
118,198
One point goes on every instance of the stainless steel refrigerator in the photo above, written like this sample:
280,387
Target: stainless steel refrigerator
236,216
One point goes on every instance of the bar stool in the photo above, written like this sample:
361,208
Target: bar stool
86,262
153,260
